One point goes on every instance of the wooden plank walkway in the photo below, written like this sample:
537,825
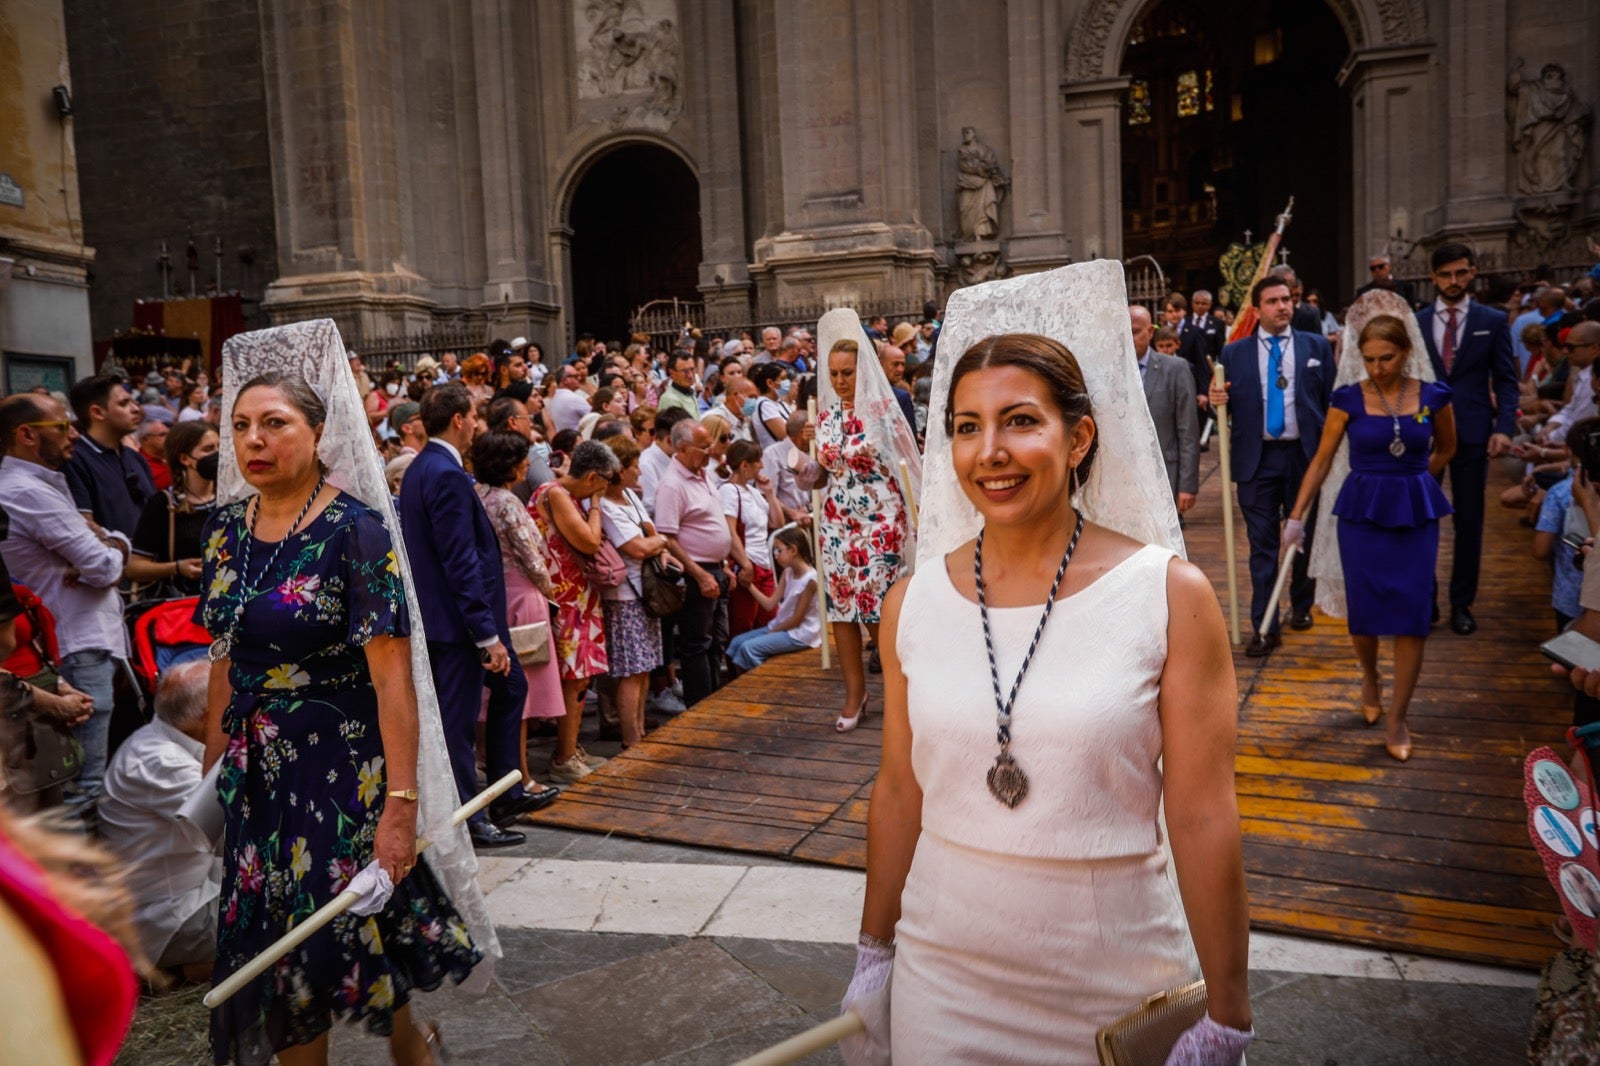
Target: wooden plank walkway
1341,842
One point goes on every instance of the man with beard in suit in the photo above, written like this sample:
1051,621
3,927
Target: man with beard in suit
1470,347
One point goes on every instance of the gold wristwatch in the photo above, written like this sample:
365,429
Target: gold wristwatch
404,793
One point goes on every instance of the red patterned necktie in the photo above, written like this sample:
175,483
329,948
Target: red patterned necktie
1447,351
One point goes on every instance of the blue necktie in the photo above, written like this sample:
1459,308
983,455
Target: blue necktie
1274,391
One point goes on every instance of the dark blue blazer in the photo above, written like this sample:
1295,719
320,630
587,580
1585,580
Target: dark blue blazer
455,557
1484,367
1313,387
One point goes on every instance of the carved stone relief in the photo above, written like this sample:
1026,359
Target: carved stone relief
629,60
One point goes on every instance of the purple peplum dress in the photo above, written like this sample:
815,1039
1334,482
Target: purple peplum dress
1389,511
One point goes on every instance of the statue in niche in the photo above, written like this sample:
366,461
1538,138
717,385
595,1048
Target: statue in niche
1549,129
629,48
980,186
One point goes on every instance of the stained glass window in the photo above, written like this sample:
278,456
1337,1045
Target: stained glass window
1138,102
1188,94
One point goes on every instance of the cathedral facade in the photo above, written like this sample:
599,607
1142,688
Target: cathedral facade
545,167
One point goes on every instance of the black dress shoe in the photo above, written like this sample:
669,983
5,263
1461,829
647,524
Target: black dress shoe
489,835
874,663
543,798
1300,620
510,808
1262,645
1462,622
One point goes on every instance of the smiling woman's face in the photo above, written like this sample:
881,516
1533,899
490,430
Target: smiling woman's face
1012,448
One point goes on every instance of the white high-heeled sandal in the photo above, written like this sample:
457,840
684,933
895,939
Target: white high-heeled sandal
845,725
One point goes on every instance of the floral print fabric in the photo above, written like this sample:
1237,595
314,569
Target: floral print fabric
302,785
863,531
579,623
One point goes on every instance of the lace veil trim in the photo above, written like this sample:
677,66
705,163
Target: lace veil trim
1085,307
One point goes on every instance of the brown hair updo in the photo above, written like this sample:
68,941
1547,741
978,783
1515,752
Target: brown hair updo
1045,358
1385,328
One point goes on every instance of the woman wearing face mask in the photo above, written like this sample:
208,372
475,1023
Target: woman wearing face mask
166,543
771,411
379,399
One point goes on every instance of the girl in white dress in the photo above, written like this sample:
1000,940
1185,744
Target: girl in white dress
1045,683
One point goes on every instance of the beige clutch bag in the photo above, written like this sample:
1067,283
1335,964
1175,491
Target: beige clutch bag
1144,1037
531,643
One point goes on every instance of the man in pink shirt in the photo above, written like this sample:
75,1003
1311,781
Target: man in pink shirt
689,515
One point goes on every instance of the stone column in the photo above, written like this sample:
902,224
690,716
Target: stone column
340,192
1091,146
1038,239
1395,173
518,293
1473,69
724,267
847,127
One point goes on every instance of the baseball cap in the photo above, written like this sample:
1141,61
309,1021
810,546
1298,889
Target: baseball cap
401,413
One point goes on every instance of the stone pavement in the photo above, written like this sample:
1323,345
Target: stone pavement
621,952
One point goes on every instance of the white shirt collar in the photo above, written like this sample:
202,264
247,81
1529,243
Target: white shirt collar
1441,308
1287,334
451,448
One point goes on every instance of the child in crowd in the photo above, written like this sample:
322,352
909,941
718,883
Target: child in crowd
798,620
1166,341
1560,518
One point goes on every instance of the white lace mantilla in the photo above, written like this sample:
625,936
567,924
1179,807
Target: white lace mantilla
314,351
1085,307
1325,565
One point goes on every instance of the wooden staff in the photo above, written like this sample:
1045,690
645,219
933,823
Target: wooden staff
1224,444
816,539
338,905
809,1042
909,493
1276,623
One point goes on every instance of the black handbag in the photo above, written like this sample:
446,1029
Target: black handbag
662,588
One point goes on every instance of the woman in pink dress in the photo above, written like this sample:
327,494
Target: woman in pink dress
568,527
500,460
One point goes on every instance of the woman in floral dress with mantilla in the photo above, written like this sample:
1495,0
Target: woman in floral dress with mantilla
314,716
864,527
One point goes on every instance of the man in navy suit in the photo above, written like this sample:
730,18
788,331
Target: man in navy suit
1470,346
1279,381
455,562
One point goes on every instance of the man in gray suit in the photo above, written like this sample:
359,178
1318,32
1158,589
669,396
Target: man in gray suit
1169,390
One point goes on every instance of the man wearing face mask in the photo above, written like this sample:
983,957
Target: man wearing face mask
738,406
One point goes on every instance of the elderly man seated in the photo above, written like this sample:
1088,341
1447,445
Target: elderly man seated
173,875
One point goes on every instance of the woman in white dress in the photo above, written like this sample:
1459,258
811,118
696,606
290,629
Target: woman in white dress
1018,886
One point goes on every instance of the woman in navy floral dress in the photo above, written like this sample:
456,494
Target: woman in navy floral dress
307,612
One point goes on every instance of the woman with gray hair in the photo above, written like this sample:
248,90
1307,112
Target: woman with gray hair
570,530
314,716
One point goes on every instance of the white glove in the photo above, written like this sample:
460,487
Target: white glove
1294,534
868,996
373,886
1210,1043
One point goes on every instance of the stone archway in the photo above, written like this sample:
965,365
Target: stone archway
1388,65
1099,34
633,225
